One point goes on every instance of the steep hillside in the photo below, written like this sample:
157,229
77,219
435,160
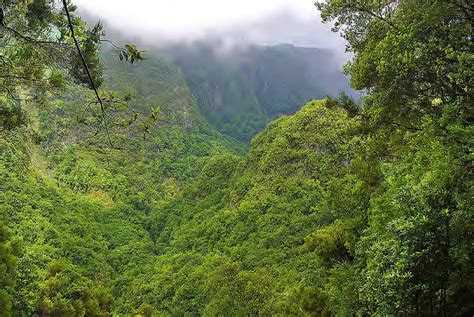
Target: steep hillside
176,145
325,210
128,236
74,210
236,239
239,91
299,226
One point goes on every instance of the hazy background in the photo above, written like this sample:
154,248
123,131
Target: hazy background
245,62
161,22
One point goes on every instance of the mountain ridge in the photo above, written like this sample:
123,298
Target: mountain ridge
241,89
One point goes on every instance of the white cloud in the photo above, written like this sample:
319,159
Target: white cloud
181,16
264,21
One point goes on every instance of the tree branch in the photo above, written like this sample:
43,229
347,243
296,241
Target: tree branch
369,12
91,80
32,40
113,44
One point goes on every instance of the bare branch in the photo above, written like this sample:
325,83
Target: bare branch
32,40
91,80
351,5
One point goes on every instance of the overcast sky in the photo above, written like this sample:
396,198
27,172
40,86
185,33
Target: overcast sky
259,21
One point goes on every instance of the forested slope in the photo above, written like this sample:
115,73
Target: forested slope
301,225
76,212
128,202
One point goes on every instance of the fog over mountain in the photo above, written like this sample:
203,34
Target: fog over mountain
245,63
178,20
161,23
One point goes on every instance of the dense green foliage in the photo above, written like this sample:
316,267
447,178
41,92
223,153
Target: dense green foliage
240,91
337,210
414,249
79,211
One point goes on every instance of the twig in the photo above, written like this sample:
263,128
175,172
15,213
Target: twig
410,128
91,80
32,40
138,116
365,10
113,44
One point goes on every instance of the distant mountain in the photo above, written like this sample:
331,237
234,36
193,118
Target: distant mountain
239,91
240,87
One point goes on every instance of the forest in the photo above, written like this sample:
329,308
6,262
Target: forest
125,191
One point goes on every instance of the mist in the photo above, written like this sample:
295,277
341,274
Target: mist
163,23
277,51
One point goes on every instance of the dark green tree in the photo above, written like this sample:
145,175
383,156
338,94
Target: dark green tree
414,59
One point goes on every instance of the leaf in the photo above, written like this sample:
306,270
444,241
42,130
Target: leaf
131,48
127,97
119,106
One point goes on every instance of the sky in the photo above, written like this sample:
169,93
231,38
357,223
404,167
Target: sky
240,21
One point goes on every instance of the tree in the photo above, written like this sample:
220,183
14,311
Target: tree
41,45
414,59
7,267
